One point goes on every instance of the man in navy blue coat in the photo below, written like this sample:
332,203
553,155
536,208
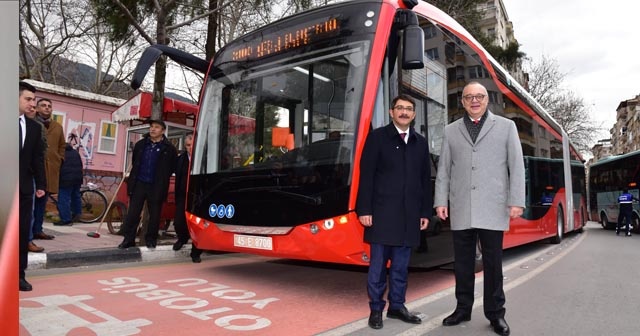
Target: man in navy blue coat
394,203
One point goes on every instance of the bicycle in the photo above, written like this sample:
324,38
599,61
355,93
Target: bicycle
93,203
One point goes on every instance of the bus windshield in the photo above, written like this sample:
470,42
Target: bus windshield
279,131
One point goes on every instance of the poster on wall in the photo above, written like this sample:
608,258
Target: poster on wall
81,135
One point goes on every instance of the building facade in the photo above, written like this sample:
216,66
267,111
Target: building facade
625,133
86,120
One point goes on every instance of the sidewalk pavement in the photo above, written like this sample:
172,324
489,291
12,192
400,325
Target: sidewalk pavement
72,247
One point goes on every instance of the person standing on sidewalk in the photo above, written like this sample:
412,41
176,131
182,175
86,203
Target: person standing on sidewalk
69,203
180,219
52,162
31,114
481,178
394,203
626,211
153,161
31,168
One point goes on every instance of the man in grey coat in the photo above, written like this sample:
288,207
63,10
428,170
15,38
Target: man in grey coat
481,179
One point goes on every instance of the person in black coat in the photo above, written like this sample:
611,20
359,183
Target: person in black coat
153,161
394,203
180,220
31,168
69,203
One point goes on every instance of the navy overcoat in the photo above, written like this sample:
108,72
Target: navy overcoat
395,186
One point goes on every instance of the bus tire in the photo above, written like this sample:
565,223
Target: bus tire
582,221
559,227
635,223
604,221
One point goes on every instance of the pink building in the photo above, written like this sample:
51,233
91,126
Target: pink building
86,120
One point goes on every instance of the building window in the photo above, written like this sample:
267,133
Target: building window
60,118
493,97
108,136
478,71
432,53
429,32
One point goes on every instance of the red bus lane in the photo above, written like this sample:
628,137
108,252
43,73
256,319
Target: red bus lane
239,294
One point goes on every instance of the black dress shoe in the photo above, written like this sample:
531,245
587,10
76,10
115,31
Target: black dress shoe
42,235
375,319
125,245
25,286
63,223
151,244
196,259
455,318
500,326
178,245
404,315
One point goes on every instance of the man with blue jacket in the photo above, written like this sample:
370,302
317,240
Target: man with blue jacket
626,210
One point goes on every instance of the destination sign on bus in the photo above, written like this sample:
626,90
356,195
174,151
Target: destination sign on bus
287,39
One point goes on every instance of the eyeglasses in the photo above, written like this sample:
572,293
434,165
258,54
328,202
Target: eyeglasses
399,108
470,98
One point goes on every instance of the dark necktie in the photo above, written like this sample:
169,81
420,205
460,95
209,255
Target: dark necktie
20,134
402,135
477,121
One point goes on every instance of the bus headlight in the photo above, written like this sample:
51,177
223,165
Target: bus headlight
328,224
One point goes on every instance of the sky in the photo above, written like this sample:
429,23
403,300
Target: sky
596,43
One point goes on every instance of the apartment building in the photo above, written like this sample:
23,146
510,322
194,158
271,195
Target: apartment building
625,133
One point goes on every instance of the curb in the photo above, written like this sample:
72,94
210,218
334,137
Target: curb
100,256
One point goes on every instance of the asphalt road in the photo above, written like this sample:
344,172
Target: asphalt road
584,286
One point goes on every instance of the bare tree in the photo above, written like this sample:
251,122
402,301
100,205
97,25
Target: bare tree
565,106
48,30
545,81
169,16
466,12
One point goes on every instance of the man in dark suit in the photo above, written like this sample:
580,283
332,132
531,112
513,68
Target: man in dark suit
153,161
180,220
481,178
394,204
31,169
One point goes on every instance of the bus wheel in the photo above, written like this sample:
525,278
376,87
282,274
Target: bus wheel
559,227
635,223
582,221
604,221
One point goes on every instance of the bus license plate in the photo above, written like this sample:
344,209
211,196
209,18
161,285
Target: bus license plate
253,242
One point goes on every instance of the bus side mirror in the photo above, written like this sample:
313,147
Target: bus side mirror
412,44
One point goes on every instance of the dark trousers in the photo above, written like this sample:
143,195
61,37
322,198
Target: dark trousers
69,203
180,221
625,214
141,193
26,211
39,207
180,224
464,247
398,274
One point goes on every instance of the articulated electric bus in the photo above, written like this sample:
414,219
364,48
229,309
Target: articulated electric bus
285,111
607,179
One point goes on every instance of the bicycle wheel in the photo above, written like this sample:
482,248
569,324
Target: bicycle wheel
115,217
94,205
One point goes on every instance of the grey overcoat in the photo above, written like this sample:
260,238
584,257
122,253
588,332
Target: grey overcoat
478,182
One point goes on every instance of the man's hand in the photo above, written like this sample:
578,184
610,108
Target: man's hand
39,193
515,212
443,212
424,223
366,220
